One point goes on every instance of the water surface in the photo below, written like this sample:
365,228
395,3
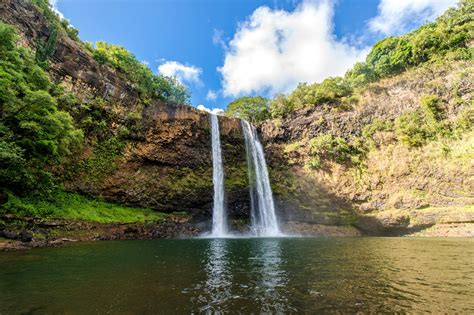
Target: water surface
280,275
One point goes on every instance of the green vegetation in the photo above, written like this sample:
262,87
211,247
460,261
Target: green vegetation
332,90
428,123
328,147
102,161
45,50
412,129
445,39
62,205
253,109
34,132
416,128
56,22
148,84
187,181
43,128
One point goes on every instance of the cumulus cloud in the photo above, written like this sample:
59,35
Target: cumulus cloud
211,95
216,111
273,50
183,73
396,16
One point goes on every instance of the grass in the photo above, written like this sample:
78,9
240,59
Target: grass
72,206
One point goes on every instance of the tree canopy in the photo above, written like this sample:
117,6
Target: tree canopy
251,108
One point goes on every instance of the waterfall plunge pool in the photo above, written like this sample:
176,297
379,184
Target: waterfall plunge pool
256,275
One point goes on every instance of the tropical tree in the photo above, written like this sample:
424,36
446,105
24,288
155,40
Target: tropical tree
251,108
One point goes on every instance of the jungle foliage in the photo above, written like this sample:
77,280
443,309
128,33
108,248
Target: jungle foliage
34,132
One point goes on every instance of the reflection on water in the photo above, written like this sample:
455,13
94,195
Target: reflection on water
217,287
213,276
270,289
265,280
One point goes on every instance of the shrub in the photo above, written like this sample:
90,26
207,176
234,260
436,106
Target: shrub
416,128
431,105
328,147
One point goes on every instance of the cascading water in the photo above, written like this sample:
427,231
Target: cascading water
263,216
219,216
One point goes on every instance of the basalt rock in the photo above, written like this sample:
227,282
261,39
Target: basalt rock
167,163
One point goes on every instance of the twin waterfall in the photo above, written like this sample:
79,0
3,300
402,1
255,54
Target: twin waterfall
263,218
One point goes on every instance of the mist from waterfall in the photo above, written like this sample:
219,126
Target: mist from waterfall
263,216
219,215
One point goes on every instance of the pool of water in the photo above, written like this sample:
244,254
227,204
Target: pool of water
282,275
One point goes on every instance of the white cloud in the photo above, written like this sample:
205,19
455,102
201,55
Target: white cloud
216,111
211,95
273,50
396,16
54,6
217,38
183,73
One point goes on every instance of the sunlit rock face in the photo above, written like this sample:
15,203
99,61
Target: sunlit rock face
399,190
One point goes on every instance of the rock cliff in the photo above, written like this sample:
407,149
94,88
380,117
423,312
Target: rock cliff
396,189
166,161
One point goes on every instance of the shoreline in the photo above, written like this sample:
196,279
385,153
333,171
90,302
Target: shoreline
28,233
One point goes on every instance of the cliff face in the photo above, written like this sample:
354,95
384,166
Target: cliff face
70,62
166,161
396,189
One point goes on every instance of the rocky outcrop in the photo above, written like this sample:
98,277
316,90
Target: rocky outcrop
23,233
424,187
70,63
170,168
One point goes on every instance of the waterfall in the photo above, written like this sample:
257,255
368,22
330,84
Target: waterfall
219,216
263,217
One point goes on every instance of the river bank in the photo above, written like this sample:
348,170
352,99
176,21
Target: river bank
22,233
18,233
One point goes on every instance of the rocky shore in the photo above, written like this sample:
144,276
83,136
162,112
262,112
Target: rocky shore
24,233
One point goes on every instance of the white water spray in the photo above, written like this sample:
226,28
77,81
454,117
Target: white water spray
219,216
263,217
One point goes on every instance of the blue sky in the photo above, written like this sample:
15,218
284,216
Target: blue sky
223,49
